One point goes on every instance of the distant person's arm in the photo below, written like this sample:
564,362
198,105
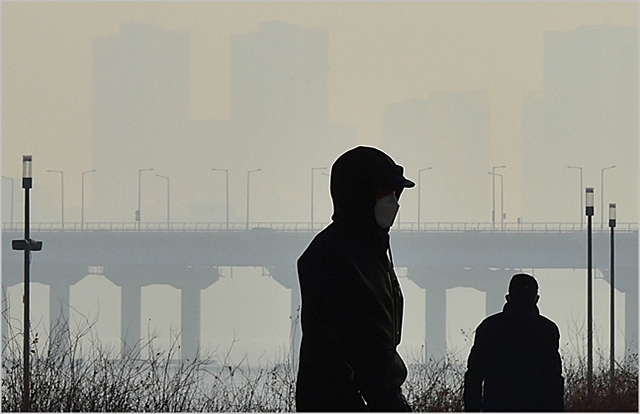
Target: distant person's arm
474,377
553,374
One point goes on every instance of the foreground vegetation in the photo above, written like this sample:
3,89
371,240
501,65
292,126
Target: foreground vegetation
69,378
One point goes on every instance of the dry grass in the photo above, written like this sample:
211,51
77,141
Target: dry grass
622,398
96,379
99,380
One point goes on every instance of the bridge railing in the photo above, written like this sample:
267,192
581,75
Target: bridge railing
410,227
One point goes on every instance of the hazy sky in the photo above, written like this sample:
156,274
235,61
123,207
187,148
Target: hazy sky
373,58
379,53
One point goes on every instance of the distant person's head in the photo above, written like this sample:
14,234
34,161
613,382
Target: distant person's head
523,289
365,186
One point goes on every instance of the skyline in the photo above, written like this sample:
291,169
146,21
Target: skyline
346,55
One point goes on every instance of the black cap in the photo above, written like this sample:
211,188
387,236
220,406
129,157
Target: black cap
523,284
398,181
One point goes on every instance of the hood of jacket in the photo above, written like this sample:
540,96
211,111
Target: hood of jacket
357,176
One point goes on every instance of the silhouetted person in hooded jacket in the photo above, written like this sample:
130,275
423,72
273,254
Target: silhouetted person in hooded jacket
514,364
351,300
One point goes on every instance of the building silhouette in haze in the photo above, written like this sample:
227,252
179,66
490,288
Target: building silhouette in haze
278,123
449,132
279,117
140,113
585,116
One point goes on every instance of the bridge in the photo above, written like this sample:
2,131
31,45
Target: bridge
438,256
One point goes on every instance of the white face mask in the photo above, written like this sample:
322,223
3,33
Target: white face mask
386,209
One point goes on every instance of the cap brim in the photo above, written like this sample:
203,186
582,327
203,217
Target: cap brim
408,183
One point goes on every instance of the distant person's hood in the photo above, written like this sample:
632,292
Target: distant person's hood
357,176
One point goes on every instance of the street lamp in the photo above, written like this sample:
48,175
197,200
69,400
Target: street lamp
248,183
581,202
82,207
501,199
312,170
493,197
61,194
602,194
28,245
168,221
419,187
9,178
138,211
589,212
227,189
612,225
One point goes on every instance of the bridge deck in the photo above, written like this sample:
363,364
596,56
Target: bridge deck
443,227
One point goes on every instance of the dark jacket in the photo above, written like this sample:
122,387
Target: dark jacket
514,364
351,301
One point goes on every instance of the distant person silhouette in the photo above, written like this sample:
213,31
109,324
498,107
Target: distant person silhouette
351,300
514,364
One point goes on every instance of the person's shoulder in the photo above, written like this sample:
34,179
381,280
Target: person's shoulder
321,245
548,324
491,321
494,318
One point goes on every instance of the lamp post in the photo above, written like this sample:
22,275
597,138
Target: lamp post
28,245
501,199
612,225
589,212
61,194
226,172
602,194
581,202
82,206
312,170
9,178
248,183
419,187
138,211
168,221
493,186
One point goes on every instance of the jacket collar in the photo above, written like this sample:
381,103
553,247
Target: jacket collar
520,308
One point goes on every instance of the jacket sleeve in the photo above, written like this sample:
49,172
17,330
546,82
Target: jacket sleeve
476,371
553,373
368,347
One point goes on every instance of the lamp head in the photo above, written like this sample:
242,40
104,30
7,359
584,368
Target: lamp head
27,166
589,201
27,171
612,215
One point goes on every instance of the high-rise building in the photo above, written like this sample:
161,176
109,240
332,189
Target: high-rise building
279,121
586,116
448,132
140,112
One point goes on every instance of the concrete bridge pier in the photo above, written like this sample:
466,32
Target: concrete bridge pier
287,276
59,299
5,319
434,281
190,322
11,275
60,277
193,279
437,279
295,337
495,284
435,320
630,289
495,300
626,281
130,315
